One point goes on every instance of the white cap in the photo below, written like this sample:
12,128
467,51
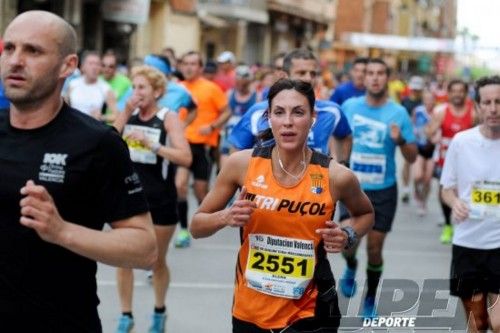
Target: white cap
226,56
243,71
416,83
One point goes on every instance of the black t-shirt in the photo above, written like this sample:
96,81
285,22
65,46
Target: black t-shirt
86,168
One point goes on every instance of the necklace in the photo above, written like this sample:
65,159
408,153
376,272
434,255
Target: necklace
303,163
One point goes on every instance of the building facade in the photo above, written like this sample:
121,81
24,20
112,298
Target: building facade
407,33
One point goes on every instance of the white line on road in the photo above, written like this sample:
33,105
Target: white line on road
181,285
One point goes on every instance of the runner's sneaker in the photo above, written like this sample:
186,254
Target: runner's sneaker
149,276
447,234
183,239
421,208
405,198
125,324
347,282
158,323
421,211
369,311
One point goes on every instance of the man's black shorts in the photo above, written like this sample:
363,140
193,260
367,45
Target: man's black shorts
426,151
165,214
474,271
384,203
202,162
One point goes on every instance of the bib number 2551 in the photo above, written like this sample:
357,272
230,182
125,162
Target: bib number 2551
276,263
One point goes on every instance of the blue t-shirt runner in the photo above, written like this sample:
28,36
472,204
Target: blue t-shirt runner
330,121
345,91
238,109
4,102
373,150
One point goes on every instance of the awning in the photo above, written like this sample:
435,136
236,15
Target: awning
126,11
234,11
212,20
319,12
395,42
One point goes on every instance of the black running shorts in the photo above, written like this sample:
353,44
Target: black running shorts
474,271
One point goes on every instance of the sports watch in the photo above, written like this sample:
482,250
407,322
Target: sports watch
352,237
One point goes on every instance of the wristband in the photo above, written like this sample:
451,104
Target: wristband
352,237
344,163
155,147
401,141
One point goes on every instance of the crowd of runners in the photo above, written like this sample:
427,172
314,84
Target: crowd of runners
289,143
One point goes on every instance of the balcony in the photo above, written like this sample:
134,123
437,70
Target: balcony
249,10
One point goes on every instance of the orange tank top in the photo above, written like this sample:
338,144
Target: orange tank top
279,250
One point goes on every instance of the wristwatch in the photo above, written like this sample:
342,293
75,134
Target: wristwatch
401,141
352,237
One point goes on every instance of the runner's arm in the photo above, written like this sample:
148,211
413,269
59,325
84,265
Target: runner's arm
212,215
225,114
435,122
402,135
112,106
345,188
449,181
341,148
178,151
131,242
191,107
459,208
409,152
342,134
123,117
191,115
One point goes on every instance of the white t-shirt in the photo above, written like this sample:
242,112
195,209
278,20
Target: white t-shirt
472,166
88,97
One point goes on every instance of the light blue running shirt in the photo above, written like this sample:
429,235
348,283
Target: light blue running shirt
373,150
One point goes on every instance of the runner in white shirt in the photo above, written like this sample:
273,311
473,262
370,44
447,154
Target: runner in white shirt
471,187
91,94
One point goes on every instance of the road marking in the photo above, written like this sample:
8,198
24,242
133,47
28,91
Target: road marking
180,285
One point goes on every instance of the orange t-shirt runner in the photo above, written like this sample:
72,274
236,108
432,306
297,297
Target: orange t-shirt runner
210,101
280,247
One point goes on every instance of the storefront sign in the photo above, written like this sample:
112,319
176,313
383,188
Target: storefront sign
126,11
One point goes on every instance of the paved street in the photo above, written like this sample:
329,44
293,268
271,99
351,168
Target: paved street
200,294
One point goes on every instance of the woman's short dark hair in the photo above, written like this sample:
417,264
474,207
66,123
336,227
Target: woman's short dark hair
304,88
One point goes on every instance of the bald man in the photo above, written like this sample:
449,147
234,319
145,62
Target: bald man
63,176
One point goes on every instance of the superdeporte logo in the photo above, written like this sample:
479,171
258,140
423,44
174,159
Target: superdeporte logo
405,305
292,206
